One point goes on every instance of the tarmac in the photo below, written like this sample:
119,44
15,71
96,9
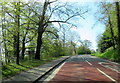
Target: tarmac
86,69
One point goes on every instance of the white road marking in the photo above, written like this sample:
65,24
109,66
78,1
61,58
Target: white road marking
108,67
82,58
106,75
88,62
54,73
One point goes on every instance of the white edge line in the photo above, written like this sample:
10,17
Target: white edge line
88,62
106,75
54,73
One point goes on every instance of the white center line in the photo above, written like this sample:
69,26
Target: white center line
106,75
88,62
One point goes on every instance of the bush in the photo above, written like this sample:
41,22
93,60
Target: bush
83,50
110,54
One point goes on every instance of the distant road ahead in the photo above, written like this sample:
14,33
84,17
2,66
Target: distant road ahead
86,68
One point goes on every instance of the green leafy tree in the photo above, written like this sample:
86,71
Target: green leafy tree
85,47
44,18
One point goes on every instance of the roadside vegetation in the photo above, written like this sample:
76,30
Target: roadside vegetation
84,48
11,69
109,55
34,33
109,41
29,37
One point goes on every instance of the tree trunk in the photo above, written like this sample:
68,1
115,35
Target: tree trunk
6,51
39,44
23,42
17,60
118,25
118,20
40,31
18,26
14,43
74,49
111,31
23,48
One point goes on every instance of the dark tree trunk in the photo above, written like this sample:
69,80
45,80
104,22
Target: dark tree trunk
23,48
15,44
118,25
41,30
39,44
118,22
6,52
111,31
18,26
17,60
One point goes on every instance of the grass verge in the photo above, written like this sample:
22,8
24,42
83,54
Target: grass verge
109,54
12,69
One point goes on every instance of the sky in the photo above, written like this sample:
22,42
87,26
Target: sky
88,28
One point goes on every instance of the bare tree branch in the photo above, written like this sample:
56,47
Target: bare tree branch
9,14
52,33
31,38
31,18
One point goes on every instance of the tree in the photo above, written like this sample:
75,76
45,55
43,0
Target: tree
118,23
23,23
44,20
16,28
108,17
110,39
4,32
104,42
84,48
107,11
85,43
28,29
8,32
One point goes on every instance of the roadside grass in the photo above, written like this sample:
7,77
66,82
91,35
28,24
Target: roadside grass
96,54
13,69
109,54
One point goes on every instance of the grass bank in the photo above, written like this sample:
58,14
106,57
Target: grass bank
13,69
109,54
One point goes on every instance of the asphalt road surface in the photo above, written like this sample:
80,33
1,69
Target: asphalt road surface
87,69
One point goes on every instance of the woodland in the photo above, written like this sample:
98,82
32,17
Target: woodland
30,38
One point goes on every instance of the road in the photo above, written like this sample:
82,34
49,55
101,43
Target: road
86,68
